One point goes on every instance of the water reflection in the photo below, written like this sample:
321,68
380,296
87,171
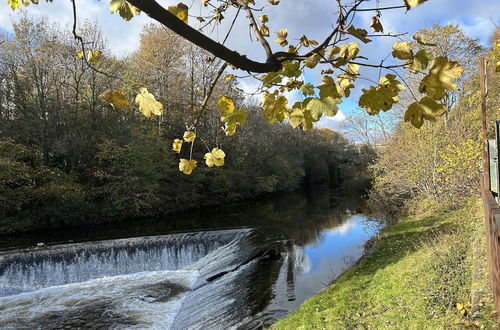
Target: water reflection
245,278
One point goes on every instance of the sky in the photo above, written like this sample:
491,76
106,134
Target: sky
314,18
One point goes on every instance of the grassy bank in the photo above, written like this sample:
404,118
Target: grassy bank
420,270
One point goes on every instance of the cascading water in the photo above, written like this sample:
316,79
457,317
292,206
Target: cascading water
226,279
194,281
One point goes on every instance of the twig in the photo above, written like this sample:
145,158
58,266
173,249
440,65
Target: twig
209,93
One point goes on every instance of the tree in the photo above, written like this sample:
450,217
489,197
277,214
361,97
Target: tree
338,55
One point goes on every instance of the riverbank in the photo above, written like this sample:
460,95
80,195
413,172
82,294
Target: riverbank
421,273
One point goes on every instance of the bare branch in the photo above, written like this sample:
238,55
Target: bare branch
163,16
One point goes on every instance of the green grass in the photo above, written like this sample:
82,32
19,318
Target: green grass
418,272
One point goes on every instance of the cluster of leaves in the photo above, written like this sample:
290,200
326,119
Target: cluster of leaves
339,55
440,162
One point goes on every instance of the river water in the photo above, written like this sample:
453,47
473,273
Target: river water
240,268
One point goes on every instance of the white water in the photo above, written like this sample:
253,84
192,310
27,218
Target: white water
146,299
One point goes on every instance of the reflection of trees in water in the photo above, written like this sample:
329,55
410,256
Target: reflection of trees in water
299,216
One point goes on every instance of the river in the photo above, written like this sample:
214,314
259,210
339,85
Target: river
242,267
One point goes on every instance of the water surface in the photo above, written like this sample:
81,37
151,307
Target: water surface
236,268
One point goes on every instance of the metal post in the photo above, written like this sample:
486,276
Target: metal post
484,93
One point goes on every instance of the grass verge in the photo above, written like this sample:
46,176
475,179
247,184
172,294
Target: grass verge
421,269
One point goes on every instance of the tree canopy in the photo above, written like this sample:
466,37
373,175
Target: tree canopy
338,56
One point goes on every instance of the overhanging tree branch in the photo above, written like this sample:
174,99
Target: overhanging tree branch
163,16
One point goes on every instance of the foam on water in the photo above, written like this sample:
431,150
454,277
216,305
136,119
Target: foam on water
178,298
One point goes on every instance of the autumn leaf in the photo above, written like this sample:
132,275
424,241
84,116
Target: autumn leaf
94,56
359,33
328,88
226,105
189,136
274,106
116,98
215,157
306,42
263,18
323,106
187,166
147,103
264,30
79,54
125,9
291,69
427,108
420,61
232,120
180,11
440,77
381,97
413,3
307,89
281,39
312,60
376,25
418,37
402,50
177,145
14,4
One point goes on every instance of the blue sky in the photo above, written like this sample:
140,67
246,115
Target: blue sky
314,18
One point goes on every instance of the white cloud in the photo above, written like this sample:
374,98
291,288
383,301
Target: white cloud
335,123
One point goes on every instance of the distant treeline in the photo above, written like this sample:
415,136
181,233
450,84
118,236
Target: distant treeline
68,159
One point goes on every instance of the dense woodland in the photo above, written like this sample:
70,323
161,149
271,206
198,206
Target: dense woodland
67,158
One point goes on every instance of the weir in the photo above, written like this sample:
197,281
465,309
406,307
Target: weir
193,280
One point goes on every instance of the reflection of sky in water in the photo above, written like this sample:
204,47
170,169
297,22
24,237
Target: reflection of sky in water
334,251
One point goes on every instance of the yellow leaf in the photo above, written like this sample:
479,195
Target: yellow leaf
215,157
273,2
181,11
402,51
226,105
125,9
228,77
426,108
419,62
497,69
274,106
312,61
79,54
94,56
177,145
359,33
147,103
14,4
381,97
328,88
263,18
323,106
376,25
189,136
116,98
413,3
264,30
232,120
418,37
282,35
440,78
187,166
